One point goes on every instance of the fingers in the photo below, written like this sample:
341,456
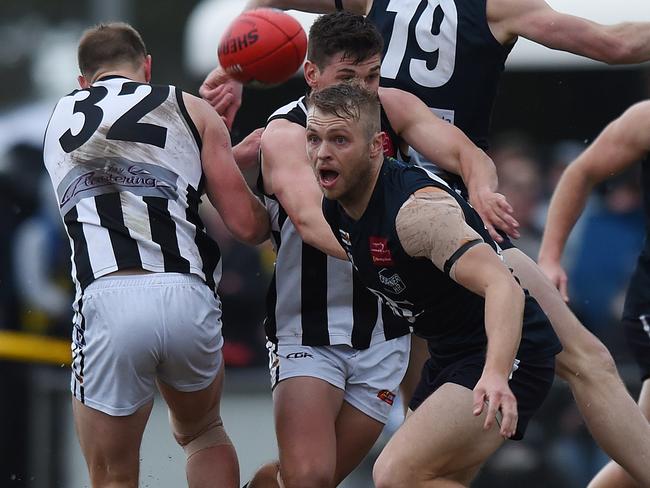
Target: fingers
510,417
479,402
493,233
493,407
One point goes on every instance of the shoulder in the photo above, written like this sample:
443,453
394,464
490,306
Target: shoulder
283,134
295,112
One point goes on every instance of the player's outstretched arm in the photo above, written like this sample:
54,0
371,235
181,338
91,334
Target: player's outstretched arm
244,215
623,143
448,147
623,43
431,224
289,176
316,6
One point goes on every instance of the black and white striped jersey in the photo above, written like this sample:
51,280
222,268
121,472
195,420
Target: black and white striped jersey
125,162
315,299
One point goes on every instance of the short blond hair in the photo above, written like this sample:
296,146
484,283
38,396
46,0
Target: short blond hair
349,101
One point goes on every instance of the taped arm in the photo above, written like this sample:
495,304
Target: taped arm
289,176
431,224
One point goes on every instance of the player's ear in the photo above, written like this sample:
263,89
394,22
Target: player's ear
377,144
83,83
312,74
147,68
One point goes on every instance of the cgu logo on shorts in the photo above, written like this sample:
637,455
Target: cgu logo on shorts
386,396
299,355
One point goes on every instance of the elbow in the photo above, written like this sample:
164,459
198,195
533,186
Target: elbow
619,50
256,232
253,236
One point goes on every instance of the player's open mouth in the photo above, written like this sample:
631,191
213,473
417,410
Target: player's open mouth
327,177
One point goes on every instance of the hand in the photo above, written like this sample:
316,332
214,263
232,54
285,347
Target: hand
223,93
555,272
496,212
247,151
493,390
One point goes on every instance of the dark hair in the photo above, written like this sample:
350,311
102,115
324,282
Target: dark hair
349,101
342,32
109,44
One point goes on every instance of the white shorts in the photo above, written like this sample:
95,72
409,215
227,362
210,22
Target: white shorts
136,328
370,377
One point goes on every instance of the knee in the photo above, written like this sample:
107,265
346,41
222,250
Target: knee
200,434
586,360
389,472
306,474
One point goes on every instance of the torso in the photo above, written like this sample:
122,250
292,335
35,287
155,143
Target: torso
449,316
315,299
124,159
444,52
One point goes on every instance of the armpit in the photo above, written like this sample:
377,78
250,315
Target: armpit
431,224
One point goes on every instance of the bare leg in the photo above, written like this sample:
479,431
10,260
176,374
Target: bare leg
614,420
442,444
612,475
266,477
305,415
356,433
111,445
419,355
194,412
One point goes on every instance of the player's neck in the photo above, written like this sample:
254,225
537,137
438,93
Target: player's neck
124,73
356,203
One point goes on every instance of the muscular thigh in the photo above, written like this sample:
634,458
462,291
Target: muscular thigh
442,438
305,411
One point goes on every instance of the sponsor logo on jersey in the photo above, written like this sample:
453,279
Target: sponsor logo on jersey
389,147
386,396
394,282
380,252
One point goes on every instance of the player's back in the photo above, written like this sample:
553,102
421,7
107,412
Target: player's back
124,158
443,52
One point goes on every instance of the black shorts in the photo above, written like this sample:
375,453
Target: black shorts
530,383
637,334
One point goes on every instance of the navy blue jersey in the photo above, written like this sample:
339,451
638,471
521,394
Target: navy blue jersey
444,52
637,301
448,315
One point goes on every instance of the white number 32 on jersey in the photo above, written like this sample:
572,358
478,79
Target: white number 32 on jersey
435,32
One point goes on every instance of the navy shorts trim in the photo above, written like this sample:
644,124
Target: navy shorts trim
637,334
530,383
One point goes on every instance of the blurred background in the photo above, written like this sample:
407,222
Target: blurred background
549,107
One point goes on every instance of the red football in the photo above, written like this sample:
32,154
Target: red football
263,45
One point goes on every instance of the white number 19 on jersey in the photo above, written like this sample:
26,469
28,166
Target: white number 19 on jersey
435,31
